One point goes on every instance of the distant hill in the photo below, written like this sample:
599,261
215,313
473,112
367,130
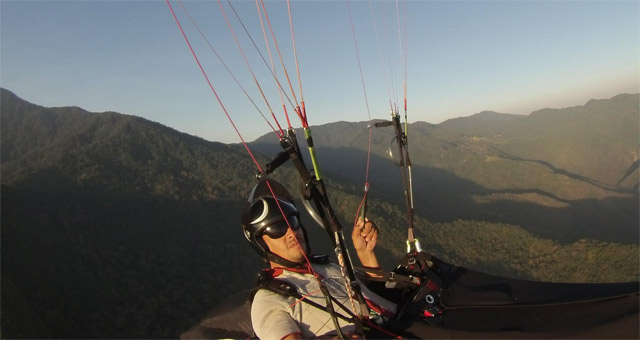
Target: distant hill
133,155
485,121
117,227
562,174
596,143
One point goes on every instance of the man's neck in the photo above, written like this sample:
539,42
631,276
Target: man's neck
304,268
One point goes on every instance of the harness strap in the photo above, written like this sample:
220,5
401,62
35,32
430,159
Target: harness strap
283,288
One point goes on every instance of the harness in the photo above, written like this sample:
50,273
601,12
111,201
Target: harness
283,288
426,296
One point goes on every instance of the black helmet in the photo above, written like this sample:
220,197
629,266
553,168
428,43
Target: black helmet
261,211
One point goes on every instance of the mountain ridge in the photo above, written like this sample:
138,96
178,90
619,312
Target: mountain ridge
574,139
117,227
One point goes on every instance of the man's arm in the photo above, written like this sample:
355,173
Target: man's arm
365,236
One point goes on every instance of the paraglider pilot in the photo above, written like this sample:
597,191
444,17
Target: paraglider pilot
291,299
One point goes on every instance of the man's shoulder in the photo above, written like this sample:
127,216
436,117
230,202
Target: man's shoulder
275,286
264,299
266,295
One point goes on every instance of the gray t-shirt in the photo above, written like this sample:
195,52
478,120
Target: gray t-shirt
275,316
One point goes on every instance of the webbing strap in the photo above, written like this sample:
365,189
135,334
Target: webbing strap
285,289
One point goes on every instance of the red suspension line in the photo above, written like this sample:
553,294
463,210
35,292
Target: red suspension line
302,112
403,51
249,65
366,100
266,40
295,51
406,50
275,42
400,42
232,123
226,67
399,31
280,88
259,52
212,88
355,43
384,69
393,99
299,111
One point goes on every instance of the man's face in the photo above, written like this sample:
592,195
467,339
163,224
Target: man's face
286,246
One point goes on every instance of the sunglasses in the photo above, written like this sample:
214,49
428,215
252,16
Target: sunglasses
279,229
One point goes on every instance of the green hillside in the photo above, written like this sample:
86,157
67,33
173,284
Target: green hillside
117,227
595,146
563,174
114,226
113,152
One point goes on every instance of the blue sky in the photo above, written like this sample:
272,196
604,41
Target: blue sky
463,57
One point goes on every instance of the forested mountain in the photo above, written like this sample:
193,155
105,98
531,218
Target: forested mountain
117,227
114,226
561,174
596,143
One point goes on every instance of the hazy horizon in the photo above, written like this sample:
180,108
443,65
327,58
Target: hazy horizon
463,57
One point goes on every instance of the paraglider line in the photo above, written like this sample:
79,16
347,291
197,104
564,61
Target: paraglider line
211,86
235,37
295,51
227,68
275,42
273,68
366,100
